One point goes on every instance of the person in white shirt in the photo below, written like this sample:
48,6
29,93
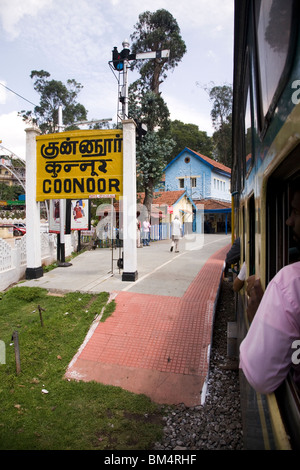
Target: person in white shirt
146,232
239,281
176,233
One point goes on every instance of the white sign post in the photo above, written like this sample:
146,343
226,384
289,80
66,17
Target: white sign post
34,269
130,272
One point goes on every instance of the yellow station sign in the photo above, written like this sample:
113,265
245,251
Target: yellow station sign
81,164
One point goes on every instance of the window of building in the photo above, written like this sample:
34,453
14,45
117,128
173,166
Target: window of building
181,183
219,185
193,182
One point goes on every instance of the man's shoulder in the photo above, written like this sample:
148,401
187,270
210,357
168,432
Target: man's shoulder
288,280
287,271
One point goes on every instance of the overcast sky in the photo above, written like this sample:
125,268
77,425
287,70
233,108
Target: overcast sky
73,39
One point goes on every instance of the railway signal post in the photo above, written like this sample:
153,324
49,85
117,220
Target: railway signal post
120,62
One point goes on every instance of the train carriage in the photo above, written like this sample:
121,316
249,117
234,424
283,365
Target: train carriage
266,161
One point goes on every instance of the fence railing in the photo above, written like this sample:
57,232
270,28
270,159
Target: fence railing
13,257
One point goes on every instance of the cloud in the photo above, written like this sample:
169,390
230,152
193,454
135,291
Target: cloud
12,133
211,55
13,11
198,14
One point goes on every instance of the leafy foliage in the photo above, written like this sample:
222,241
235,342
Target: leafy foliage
53,94
154,32
189,135
221,114
10,193
154,149
148,107
157,149
221,97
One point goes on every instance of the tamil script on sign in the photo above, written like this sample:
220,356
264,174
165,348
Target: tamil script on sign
79,164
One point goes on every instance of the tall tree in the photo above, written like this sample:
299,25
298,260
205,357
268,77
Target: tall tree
221,114
154,32
53,94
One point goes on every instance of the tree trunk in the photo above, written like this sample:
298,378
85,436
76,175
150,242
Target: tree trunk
155,79
148,196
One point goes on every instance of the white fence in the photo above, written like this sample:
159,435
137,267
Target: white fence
160,232
13,259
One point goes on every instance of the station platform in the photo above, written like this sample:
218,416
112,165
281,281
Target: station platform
158,339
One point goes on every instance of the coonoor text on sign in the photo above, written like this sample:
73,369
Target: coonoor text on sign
80,163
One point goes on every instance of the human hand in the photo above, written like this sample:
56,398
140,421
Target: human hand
250,282
255,293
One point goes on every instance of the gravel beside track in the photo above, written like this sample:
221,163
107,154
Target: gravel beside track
217,424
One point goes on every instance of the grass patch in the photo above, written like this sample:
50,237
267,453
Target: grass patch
109,309
72,415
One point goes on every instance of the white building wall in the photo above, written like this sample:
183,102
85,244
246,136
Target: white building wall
220,187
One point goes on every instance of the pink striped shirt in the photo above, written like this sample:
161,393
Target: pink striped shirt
272,345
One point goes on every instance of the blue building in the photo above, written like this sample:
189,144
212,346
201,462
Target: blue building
203,179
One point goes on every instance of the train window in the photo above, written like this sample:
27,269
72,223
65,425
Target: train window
243,254
248,133
248,122
251,240
277,213
274,29
281,247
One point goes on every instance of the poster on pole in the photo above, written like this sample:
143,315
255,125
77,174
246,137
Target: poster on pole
54,215
79,214
80,164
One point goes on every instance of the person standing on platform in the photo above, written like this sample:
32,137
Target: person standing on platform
176,233
138,232
146,232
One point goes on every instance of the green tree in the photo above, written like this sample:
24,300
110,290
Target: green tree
150,169
10,193
53,94
222,140
189,135
221,114
154,148
154,31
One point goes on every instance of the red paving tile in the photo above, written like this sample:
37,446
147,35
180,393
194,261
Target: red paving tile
156,345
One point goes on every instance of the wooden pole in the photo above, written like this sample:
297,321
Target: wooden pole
40,312
15,338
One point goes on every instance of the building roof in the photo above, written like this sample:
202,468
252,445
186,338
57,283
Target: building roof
163,197
213,163
213,204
